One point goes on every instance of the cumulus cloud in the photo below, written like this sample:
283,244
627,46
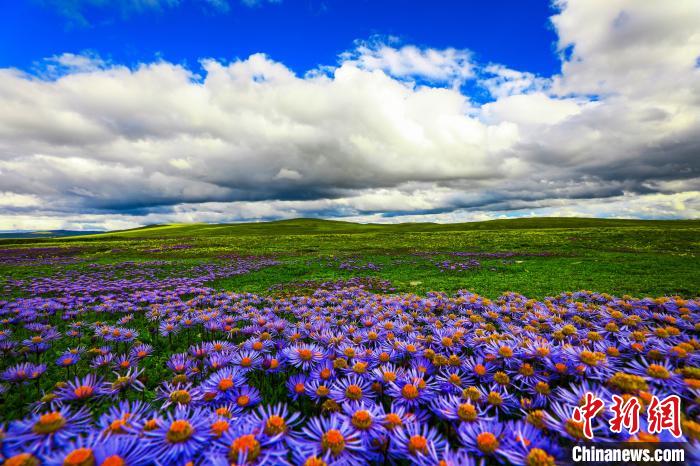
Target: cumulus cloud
447,66
385,134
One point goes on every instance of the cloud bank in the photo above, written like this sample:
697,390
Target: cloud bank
386,134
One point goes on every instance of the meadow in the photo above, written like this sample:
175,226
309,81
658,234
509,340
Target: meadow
318,342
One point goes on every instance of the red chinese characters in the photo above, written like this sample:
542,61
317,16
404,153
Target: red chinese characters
585,413
661,414
665,415
626,414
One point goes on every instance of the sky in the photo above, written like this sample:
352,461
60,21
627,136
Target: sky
121,113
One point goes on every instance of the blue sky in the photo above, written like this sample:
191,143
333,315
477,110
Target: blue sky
115,114
300,33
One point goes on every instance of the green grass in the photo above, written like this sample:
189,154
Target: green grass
639,258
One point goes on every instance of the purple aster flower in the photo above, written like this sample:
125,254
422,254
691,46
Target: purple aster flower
179,363
482,438
659,373
246,360
411,391
179,437
81,390
67,359
246,396
296,386
351,388
180,395
123,417
415,441
42,433
245,444
222,383
528,445
274,421
124,382
23,372
455,408
329,437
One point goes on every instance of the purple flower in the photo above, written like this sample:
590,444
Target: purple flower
81,390
329,437
42,433
179,438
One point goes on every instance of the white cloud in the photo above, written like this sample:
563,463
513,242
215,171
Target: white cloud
386,131
438,66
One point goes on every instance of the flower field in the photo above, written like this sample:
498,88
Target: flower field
152,351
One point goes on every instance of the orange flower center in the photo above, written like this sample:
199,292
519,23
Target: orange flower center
354,392
409,391
392,421
466,412
180,431
362,419
505,351
275,425
658,372
243,400
418,444
84,391
487,442
219,427
49,423
315,461
225,384
246,445
80,457
23,459
334,441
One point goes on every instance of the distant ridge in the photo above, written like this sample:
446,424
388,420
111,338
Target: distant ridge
46,233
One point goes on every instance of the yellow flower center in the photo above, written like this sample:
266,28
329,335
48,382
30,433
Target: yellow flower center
180,396
466,412
539,457
494,399
575,429
501,378
542,388
658,372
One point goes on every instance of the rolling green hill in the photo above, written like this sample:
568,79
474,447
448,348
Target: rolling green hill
533,256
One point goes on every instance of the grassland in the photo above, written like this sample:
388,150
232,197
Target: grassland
536,257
